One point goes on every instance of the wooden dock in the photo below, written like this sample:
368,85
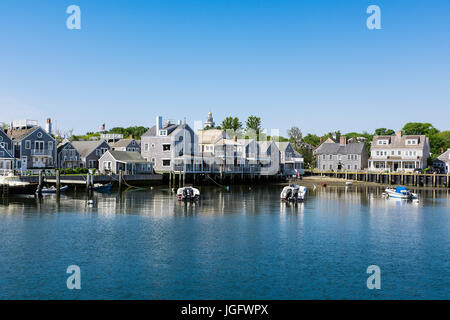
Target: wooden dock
393,178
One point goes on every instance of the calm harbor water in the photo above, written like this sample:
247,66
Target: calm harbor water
237,244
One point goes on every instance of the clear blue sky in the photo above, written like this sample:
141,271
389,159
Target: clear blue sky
311,64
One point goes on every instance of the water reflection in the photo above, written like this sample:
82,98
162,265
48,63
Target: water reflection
160,202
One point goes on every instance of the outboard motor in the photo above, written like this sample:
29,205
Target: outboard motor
190,193
288,194
295,195
184,193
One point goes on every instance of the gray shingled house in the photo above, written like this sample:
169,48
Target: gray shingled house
443,161
171,147
90,152
68,156
291,162
6,152
130,162
129,144
35,147
341,156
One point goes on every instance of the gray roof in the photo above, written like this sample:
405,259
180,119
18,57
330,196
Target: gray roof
127,156
84,148
399,142
170,129
282,145
123,143
22,133
336,148
445,157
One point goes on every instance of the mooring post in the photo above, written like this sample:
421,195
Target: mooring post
88,178
120,180
170,180
41,181
58,181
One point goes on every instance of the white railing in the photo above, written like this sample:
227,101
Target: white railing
41,152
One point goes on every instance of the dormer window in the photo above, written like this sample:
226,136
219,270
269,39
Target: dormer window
411,142
163,132
383,142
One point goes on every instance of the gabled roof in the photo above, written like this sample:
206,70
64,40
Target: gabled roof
336,148
123,143
264,145
170,129
399,142
229,142
245,142
18,135
282,145
126,156
445,156
210,136
84,148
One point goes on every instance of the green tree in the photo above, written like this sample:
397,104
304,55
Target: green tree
230,123
418,128
295,137
445,136
312,139
253,123
384,132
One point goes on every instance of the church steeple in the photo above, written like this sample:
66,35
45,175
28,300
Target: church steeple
209,121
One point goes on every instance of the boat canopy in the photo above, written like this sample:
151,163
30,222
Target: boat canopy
400,189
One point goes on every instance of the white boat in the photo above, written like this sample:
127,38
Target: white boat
52,189
293,192
188,193
17,186
400,193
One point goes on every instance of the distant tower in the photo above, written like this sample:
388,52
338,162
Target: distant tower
210,122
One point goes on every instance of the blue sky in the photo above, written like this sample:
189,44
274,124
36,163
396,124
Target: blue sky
311,64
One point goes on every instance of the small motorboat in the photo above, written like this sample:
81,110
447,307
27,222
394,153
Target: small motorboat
102,187
293,192
188,193
349,183
52,190
17,186
400,193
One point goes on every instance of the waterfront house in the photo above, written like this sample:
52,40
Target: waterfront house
291,162
130,162
90,152
34,147
207,142
340,156
68,156
7,161
229,155
129,144
269,158
399,153
443,162
171,147
250,153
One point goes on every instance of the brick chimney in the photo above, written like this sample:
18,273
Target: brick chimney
131,136
235,138
398,134
343,141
